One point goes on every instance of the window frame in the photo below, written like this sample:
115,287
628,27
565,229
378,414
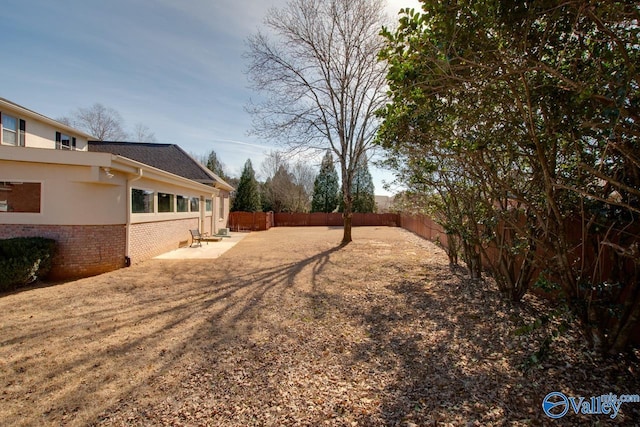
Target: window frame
182,199
194,204
71,141
13,131
172,201
19,132
152,193
22,182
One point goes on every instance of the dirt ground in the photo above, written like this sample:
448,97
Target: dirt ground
289,328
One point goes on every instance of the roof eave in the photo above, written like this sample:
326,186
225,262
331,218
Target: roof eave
37,116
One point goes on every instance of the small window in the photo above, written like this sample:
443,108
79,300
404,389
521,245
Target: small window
166,202
20,197
141,201
9,130
183,203
13,130
65,142
208,205
195,204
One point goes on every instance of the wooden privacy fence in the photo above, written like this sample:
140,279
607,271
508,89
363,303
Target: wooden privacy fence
250,221
594,251
335,219
308,219
591,253
424,227
257,221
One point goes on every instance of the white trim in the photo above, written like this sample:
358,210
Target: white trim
5,103
16,132
106,160
173,198
146,190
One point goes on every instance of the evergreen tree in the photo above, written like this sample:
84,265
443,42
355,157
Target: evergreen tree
248,194
214,165
362,190
364,199
265,195
325,188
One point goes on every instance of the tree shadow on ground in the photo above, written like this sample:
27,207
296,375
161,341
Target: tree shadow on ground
279,337
91,350
454,358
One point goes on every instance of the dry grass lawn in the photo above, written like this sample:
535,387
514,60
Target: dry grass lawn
288,328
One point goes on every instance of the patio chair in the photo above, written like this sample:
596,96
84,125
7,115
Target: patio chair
198,238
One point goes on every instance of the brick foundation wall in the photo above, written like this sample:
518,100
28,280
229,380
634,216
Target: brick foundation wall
82,250
149,239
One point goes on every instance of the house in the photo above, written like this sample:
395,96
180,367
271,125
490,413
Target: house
106,204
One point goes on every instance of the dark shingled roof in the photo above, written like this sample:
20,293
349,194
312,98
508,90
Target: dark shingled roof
168,157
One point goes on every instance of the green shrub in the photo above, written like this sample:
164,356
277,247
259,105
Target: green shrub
23,260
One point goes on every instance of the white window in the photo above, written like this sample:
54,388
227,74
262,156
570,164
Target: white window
65,142
182,203
142,201
195,204
166,202
13,130
9,130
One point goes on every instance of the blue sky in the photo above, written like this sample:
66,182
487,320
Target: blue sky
175,66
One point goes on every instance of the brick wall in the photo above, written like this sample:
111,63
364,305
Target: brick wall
207,224
149,239
82,250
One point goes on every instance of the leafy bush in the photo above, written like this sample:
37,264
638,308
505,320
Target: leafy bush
23,260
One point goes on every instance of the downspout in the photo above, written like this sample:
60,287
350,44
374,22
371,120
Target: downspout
203,213
128,225
215,208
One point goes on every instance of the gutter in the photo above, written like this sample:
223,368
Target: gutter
40,117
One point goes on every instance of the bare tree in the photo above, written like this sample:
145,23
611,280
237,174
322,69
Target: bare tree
303,176
104,123
288,186
142,133
322,80
272,163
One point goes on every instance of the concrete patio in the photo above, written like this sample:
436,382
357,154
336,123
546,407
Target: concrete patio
208,250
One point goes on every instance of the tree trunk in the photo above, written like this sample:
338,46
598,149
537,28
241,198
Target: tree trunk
347,213
473,260
625,332
346,237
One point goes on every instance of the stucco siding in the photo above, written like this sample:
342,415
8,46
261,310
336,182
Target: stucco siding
70,195
41,135
40,131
